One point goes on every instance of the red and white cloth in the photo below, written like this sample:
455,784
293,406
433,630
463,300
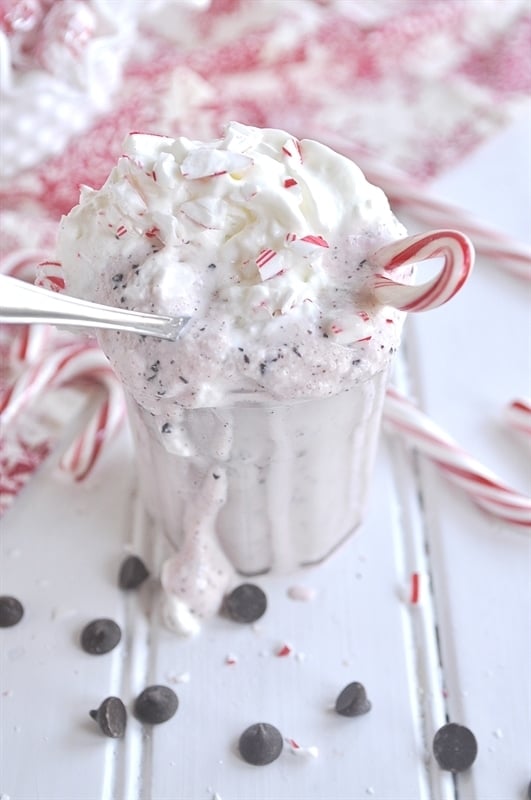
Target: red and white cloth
399,83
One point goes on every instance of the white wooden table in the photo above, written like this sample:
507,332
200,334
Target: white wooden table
463,654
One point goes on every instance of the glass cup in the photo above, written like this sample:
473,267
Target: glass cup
282,485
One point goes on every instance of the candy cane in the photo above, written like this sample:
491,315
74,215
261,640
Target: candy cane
81,456
67,366
518,414
481,485
458,255
22,263
405,194
28,343
500,249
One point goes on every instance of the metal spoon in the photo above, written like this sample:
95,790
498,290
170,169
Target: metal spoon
23,302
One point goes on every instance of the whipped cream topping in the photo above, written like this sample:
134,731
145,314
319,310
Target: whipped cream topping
262,240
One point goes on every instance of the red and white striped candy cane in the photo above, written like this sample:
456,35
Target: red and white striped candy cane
22,263
23,343
481,485
512,256
407,195
71,365
28,343
81,456
518,414
458,255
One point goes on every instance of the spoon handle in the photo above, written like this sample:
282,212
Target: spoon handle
23,302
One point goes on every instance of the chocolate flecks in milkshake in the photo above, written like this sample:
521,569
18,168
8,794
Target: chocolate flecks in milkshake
133,573
260,744
100,636
156,704
212,266
11,611
111,717
246,603
455,747
352,701
166,428
183,379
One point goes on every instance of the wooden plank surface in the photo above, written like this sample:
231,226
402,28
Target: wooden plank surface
463,654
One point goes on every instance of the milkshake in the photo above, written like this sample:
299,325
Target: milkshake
256,429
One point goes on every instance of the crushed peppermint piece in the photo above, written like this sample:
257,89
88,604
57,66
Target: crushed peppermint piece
246,603
11,611
133,573
206,212
301,593
455,747
260,744
299,750
156,704
292,149
231,659
207,163
418,588
352,701
100,636
269,263
284,650
111,717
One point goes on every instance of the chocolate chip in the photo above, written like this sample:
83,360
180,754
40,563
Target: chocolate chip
100,636
246,603
111,716
11,611
260,744
166,428
455,747
352,700
156,704
132,573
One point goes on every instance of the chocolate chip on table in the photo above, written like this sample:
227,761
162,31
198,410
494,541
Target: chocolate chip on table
454,747
132,573
246,603
352,701
100,636
156,704
260,744
111,716
11,611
